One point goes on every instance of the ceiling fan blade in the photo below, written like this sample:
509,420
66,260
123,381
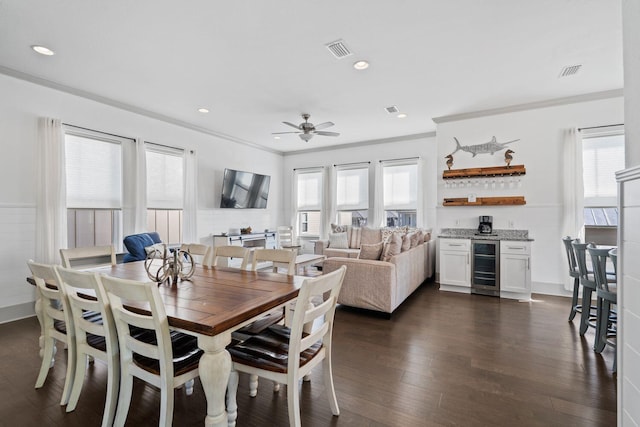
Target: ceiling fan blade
281,133
324,125
324,133
292,125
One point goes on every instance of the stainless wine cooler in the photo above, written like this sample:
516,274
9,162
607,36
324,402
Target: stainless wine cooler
485,267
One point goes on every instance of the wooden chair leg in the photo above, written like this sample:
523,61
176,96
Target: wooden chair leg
293,401
48,352
253,385
113,387
71,370
166,406
586,310
328,385
124,399
574,299
78,381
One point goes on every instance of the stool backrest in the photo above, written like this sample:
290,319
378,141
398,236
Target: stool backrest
586,276
571,256
599,259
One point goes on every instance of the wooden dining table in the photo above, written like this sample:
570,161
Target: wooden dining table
212,304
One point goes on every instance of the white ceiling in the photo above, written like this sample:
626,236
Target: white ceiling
256,63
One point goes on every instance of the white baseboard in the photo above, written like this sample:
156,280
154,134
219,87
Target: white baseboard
547,288
17,312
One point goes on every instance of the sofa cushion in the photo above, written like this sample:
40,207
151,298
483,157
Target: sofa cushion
373,251
338,241
369,236
389,231
392,246
341,253
136,243
416,238
406,242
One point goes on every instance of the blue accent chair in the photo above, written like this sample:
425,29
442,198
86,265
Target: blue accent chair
136,243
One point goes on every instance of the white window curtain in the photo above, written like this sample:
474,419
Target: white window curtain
140,194
308,195
420,199
603,155
352,187
190,210
328,210
51,209
378,198
573,191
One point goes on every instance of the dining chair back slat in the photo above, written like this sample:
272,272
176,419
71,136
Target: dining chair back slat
286,257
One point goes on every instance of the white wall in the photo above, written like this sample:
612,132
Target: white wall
21,103
541,133
629,270
423,147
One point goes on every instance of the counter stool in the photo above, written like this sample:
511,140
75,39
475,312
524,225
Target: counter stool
575,273
587,316
606,323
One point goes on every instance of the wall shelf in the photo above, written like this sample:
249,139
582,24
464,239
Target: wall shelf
485,201
484,172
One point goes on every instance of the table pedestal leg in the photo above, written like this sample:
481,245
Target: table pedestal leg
215,366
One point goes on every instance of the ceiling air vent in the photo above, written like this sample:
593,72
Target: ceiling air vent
338,49
391,110
570,70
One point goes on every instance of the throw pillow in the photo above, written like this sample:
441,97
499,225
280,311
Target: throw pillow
156,249
416,238
406,242
335,228
338,241
372,251
369,236
392,246
354,238
387,232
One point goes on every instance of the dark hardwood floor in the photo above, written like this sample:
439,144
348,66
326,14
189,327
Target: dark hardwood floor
442,359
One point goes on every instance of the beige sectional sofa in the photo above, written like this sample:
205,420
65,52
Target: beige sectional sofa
380,285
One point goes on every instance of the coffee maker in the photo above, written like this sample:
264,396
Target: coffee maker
486,224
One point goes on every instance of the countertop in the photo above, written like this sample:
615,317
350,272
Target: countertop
471,233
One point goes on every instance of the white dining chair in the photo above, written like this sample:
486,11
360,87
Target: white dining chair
56,322
278,257
93,339
286,355
92,256
163,358
200,253
231,251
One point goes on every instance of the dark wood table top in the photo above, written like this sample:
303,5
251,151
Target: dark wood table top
215,299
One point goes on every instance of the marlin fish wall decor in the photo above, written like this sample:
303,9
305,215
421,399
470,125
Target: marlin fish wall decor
487,147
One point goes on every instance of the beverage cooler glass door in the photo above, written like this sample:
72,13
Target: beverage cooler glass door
485,270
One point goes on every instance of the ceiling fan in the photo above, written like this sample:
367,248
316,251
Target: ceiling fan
306,130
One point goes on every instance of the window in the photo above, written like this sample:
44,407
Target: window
94,176
400,193
352,195
165,189
602,156
309,201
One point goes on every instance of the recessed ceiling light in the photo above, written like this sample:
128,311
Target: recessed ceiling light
43,50
276,137
401,116
203,110
361,65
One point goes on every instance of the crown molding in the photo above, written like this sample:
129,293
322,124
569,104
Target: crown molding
128,107
614,93
363,143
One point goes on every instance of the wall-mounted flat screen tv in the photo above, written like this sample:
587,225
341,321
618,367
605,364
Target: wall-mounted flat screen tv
244,190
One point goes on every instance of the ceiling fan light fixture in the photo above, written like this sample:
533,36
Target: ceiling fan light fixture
306,136
43,50
361,65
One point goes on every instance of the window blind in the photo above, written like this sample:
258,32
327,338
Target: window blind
309,190
94,173
400,186
352,188
602,156
165,177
